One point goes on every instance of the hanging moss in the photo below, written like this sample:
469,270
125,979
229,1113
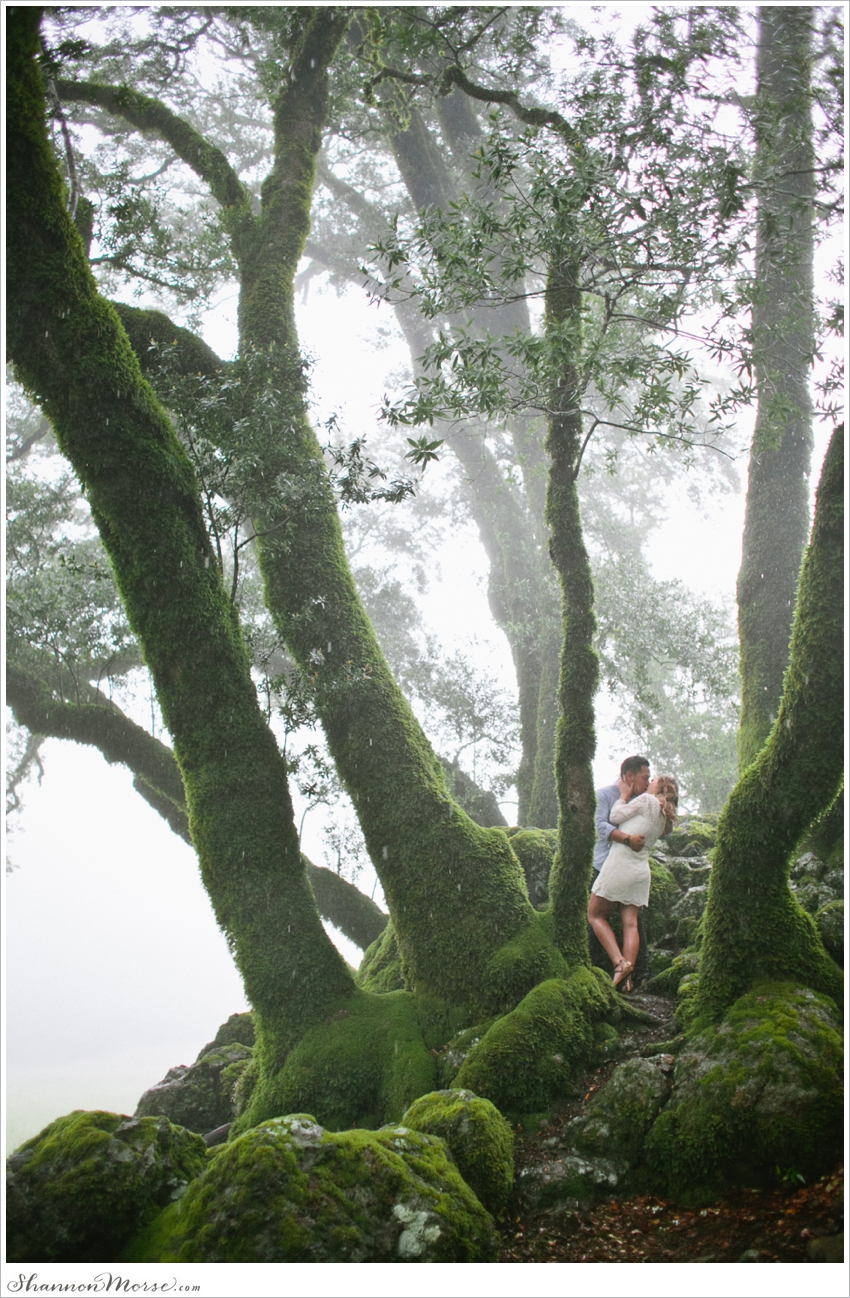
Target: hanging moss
753,926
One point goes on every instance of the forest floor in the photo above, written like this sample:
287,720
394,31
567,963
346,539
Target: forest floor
774,1225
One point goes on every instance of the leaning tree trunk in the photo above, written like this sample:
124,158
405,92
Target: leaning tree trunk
579,678
73,356
777,512
754,927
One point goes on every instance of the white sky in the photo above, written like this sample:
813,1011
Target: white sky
115,968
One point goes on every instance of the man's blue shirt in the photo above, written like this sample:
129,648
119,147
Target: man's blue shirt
605,799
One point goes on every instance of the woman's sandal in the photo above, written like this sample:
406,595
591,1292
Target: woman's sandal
622,969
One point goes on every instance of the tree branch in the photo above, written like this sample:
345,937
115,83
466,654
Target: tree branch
149,115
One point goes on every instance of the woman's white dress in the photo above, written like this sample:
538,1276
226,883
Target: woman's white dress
625,876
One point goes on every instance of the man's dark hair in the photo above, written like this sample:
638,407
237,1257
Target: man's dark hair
632,765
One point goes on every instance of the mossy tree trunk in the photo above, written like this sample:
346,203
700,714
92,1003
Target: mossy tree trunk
777,511
579,672
455,890
74,357
754,927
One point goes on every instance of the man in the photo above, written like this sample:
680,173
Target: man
634,780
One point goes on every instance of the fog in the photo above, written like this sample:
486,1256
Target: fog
115,968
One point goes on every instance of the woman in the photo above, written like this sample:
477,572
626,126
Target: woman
625,877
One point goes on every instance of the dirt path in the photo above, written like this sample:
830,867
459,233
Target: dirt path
750,1225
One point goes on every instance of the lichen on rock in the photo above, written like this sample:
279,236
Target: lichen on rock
479,1139
289,1191
84,1185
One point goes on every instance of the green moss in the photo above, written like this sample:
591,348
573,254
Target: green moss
363,1066
664,892
830,924
695,837
74,357
531,1056
518,965
620,1115
754,927
763,1088
77,1191
238,1030
478,1137
536,851
287,1191
667,980
380,969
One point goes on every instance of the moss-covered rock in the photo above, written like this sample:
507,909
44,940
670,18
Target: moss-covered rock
202,1096
621,1114
238,1030
536,851
84,1185
479,1139
692,837
668,979
830,922
288,1191
664,892
456,1051
762,1089
569,1179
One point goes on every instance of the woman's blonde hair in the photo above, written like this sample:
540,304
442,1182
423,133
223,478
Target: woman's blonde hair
667,794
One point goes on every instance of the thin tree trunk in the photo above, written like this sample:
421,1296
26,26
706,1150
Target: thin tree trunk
579,676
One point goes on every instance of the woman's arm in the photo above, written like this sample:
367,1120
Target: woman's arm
639,806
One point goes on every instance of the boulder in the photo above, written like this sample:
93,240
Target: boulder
572,1180
536,851
81,1188
199,1097
620,1115
479,1140
762,1089
289,1191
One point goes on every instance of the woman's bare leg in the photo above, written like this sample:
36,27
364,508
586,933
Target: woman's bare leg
631,936
598,910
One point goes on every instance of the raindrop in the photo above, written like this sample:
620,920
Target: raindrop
370,740
385,852
206,560
329,646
